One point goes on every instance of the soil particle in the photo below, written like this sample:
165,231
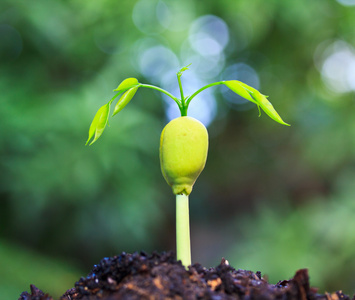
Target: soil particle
160,276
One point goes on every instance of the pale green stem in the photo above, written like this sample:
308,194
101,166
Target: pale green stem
202,89
181,90
160,90
183,249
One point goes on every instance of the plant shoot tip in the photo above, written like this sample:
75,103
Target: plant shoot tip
183,69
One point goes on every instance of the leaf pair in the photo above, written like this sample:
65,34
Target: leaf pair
129,87
256,97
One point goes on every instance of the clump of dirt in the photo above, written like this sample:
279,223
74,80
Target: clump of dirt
160,276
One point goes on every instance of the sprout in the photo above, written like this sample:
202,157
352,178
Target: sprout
183,144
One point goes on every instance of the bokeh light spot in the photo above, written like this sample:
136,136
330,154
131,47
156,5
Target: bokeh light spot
154,62
164,14
145,17
338,67
206,67
175,15
347,2
209,35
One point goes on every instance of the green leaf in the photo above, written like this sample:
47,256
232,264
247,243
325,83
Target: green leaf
125,98
99,123
126,84
268,108
237,87
256,97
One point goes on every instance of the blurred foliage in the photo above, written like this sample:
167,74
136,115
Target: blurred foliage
286,188
20,267
314,236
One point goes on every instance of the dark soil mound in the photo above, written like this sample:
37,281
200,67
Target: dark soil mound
160,276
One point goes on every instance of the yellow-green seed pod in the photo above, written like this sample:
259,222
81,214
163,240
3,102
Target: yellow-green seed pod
183,153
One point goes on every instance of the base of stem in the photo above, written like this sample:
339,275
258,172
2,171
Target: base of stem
183,248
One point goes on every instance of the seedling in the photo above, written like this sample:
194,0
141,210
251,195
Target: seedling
183,144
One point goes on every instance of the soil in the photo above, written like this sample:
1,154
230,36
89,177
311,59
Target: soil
160,276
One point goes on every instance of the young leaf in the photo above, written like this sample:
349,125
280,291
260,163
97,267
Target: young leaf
183,69
256,97
126,84
267,107
237,87
99,123
125,98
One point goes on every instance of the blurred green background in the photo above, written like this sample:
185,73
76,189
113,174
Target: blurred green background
271,198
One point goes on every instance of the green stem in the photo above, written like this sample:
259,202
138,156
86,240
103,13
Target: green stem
183,249
183,107
163,91
183,110
202,89
114,97
181,90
